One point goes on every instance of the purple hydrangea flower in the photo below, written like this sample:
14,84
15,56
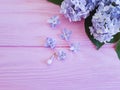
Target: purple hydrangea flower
106,23
54,21
75,10
75,47
61,55
50,43
66,34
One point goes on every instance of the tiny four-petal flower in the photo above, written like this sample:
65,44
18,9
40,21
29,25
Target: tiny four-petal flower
54,21
50,43
66,34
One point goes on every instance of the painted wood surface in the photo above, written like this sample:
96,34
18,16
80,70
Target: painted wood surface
23,30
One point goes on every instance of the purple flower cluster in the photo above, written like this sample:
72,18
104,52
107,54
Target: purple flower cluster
106,21
75,10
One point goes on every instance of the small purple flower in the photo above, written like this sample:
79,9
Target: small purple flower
61,55
66,34
50,43
75,47
54,21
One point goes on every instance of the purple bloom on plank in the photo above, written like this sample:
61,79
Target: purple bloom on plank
61,55
50,43
66,34
75,47
54,21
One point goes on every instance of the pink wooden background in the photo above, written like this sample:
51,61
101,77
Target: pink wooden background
23,30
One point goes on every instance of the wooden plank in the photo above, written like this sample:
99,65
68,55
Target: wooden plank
77,72
23,30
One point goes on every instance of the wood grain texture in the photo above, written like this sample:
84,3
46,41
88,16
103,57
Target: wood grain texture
23,30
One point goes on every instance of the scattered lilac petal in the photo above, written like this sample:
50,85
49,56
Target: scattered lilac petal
50,61
50,43
66,34
61,55
75,47
54,21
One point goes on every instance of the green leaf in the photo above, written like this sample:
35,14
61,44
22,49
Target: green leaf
116,38
118,49
58,2
88,23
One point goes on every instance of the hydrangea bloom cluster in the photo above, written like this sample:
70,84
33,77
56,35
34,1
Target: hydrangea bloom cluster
106,21
75,10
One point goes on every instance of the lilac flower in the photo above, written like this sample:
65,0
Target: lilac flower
66,34
50,43
50,61
61,55
54,21
106,23
75,10
75,47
